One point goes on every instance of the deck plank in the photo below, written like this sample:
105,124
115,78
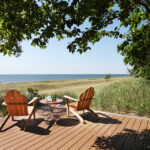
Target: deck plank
111,131
146,144
66,142
93,139
53,141
85,139
34,139
120,138
73,135
132,133
103,128
50,140
19,138
101,137
140,138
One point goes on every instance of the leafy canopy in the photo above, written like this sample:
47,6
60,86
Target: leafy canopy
40,20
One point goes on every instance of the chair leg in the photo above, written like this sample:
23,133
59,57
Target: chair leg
93,112
26,125
4,122
67,112
12,118
34,114
77,115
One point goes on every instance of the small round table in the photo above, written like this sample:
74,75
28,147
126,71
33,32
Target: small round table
58,101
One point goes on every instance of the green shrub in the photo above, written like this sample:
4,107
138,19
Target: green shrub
33,93
107,77
3,110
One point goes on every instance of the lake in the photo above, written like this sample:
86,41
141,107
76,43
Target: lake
14,78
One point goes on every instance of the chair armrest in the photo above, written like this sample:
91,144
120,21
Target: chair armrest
33,100
67,97
4,104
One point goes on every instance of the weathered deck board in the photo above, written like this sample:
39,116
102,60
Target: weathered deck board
141,136
146,144
94,138
109,132
132,135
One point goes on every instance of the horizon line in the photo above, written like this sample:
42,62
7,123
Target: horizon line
64,73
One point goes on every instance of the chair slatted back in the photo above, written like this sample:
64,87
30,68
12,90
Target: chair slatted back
16,103
85,99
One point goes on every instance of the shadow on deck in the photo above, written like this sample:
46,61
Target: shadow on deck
108,132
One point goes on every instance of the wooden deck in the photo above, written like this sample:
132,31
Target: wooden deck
109,132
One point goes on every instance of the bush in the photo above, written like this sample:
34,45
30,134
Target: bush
33,93
3,110
107,77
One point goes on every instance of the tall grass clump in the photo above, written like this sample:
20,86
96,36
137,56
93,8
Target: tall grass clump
125,96
3,110
31,93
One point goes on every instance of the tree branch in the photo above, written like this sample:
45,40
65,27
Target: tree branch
144,5
125,11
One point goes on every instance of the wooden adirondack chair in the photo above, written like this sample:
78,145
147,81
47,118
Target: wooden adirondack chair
16,105
82,103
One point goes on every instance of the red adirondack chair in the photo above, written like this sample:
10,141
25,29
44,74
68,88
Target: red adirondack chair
82,103
17,105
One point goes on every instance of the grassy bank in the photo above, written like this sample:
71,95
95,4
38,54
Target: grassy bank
123,95
129,96
60,87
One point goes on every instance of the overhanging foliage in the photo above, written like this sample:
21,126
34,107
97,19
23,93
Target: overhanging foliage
40,20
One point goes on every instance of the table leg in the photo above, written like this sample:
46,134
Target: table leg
51,111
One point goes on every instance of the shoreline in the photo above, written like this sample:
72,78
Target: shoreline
54,86
13,79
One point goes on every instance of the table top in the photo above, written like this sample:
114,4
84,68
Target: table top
58,101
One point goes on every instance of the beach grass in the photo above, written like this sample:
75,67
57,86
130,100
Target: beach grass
118,94
59,86
128,96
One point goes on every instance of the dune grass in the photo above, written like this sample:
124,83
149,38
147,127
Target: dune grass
60,87
53,87
130,96
122,95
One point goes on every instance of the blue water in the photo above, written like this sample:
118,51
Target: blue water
44,77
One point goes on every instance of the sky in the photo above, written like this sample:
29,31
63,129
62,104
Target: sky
103,58
56,59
